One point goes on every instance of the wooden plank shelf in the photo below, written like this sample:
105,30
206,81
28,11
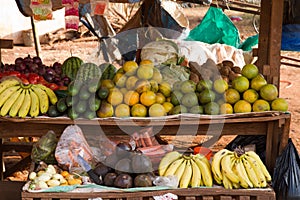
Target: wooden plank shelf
214,193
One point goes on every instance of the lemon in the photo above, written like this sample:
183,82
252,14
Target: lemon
279,104
160,98
250,95
120,79
142,86
165,88
157,110
220,86
260,105
130,82
250,71
130,67
268,92
115,97
168,106
145,72
232,96
122,110
242,106
138,110
240,83
257,82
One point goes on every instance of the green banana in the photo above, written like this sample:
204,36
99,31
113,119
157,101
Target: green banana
9,102
17,105
43,98
25,107
7,93
35,104
167,160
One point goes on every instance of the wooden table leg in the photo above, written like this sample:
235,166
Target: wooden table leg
284,138
1,160
269,145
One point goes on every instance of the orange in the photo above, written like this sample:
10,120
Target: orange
250,95
115,97
220,86
157,110
138,110
148,98
260,105
242,106
144,72
279,104
268,92
226,108
147,63
142,86
257,82
240,83
232,96
122,110
160,98
168,106
130,82
131,97
250,71
130,67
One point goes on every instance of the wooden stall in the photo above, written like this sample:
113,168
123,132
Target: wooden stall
274,125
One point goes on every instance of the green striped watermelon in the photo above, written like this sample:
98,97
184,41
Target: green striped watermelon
88,71
70,67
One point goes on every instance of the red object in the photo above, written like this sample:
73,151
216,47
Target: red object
204,151
100,8
53,86
33,78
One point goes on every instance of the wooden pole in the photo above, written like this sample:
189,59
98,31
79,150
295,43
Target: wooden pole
36,38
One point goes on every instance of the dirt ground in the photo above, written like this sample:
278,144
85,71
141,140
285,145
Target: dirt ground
289,76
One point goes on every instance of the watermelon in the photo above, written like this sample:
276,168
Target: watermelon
88,71
108,71
71,66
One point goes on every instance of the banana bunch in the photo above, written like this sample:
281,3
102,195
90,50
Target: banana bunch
234,169
21,100
190,170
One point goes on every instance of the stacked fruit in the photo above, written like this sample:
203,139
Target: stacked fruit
235,169
190,170
21,100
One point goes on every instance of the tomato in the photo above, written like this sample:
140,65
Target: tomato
53,86
33,78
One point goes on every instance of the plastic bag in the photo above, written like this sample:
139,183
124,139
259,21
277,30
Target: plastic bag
43,149
71,144
216,27
286,177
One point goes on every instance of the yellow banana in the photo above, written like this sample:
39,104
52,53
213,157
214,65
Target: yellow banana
205,172
226,182
180,170
9,102
7,93
236,185
216,164
17,105
52,96
173,167
226,165
251,173
11,81
261,164
43,98
241,172
196,178
25,107
260,175
187,175
35,104
167,160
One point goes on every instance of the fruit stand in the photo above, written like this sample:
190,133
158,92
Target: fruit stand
272,124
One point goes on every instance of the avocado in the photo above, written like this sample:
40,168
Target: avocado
74,88
103,93
81,106
123,181
84,93
94,103
109,179
53,112
71,100
61,105
89,114
72,113
142,180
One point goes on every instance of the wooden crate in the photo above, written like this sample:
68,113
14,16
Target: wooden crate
215,193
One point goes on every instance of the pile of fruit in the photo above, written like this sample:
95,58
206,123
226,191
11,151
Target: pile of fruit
232,169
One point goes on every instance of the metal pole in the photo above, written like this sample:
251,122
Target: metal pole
36,38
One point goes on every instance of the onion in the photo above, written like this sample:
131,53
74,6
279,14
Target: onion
51,71
19,61
49,77
41,71
66,80
37,60
33,67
